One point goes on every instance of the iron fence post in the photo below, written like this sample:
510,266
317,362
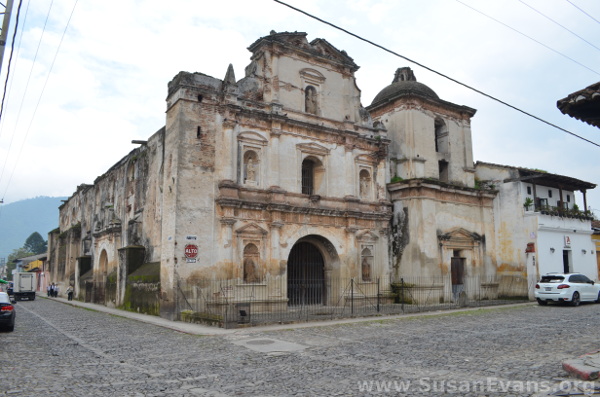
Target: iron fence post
378,294
402,294
352,296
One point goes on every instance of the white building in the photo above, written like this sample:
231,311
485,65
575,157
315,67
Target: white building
539,226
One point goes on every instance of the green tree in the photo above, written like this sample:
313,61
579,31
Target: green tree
36,244
16,254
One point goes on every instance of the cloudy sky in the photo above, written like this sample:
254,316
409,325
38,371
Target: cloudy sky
78,94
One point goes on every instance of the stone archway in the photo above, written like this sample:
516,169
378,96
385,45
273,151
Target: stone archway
305,275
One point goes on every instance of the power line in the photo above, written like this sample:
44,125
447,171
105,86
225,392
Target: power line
564,27
436,72
41,95
529,37
26,85
574,5
8,94
12,50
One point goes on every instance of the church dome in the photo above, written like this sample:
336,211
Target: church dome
405,83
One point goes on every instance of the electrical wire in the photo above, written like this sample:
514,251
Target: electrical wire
26,86
436,72
529,37
564,27
40,97
574,5
8,95
12,50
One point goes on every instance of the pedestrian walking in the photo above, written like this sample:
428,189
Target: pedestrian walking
55,290
49,290
70,293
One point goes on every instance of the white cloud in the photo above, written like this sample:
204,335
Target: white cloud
109,82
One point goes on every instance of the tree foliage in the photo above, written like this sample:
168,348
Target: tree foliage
16,254
36,244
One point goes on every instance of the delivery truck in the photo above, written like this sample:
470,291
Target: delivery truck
24,285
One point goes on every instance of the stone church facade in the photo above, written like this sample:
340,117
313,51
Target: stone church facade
277,179
258,174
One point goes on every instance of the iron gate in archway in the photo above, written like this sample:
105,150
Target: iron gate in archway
306,275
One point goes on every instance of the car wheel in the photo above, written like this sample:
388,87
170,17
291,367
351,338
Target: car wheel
576,300
598,300
10,328
542,302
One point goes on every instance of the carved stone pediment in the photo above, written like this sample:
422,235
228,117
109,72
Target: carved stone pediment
366,236
459,233
460,238
312,75
323,47
312,148
251,230
252,138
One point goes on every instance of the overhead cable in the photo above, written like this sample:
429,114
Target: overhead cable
41,94
7,94
530,38
555,22
26,87
575,5
12,50
436,72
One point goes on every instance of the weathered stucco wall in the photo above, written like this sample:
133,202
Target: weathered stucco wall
257,172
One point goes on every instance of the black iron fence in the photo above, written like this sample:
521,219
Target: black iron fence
234,303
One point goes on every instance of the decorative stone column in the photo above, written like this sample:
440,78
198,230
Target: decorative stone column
350,171
274,173
228,224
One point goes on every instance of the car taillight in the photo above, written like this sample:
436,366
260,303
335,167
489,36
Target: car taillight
563,286
537,286
7,308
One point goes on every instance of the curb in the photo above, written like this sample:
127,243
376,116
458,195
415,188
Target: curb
586,367
205,330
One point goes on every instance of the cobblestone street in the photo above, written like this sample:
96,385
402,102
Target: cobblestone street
61,350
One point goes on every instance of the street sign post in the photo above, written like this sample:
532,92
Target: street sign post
191,252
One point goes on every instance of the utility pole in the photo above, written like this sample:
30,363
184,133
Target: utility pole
5,25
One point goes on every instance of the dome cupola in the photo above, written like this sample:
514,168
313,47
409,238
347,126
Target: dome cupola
405,83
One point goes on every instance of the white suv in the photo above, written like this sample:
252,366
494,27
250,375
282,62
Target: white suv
567,287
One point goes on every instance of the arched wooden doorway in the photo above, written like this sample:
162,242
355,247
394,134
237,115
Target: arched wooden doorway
305,275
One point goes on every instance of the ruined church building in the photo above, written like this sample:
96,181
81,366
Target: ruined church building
281,178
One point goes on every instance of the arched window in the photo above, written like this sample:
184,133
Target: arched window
365,184
366,264
250,264
441,136
308,176
310,100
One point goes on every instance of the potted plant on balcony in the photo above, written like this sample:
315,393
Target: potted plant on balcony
528,203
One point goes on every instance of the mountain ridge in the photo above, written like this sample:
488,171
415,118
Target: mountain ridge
19,219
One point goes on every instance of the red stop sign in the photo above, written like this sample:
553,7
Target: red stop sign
191,251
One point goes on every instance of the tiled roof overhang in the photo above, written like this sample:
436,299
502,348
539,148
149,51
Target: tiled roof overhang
583,105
